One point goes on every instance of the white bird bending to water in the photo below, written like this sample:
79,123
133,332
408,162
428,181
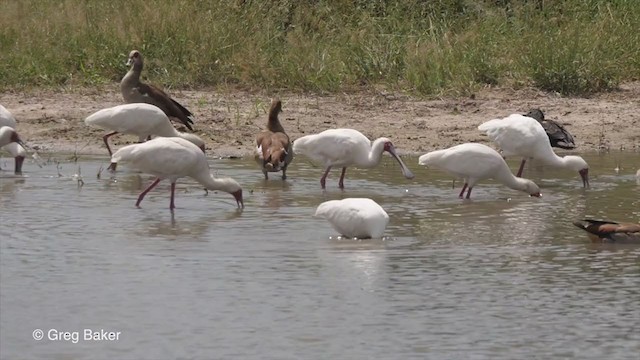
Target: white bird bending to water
474,162
139,119
355,217
343,148
16,150
524,136
174,158
8,135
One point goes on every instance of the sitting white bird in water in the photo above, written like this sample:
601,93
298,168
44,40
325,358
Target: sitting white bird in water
174,158
524,136
355,217
474,162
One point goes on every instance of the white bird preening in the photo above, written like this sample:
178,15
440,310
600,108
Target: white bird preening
174,158
343,148
16,150
355,217
139,119
524,136
474,162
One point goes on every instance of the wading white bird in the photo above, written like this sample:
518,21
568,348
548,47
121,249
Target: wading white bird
610,231
16,150
8,135
139,119
174,158
343,148
523,136
135,91
474,162
354,217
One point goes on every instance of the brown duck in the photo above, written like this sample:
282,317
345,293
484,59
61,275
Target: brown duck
135,91
609,231
273,148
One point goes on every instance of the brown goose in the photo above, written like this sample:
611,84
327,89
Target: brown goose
558,135
135,91
609,231
273,151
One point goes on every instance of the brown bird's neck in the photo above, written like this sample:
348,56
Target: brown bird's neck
274,123
132,77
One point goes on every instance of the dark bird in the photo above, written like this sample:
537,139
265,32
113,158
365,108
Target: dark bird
610,232
273,148
135,91
558,135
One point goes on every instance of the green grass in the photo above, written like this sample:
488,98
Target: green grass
428,47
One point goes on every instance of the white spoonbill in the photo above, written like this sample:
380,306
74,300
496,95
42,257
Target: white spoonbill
174,158
16,150
343,148
474,162
355,217
524,136
139,119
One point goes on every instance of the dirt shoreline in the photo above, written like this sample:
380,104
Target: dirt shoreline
53,121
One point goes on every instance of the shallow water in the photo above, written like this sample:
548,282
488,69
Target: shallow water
503,276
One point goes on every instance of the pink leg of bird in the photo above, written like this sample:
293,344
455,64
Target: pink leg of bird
519,174
341,182
106,141
469,192
323,179
172,205
145,191
462,192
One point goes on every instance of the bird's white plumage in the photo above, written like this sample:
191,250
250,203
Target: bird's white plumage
355,217
139,119
525,137
474,162
166,158
7,119
174,158
346,147
6,135
336,147
518,135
